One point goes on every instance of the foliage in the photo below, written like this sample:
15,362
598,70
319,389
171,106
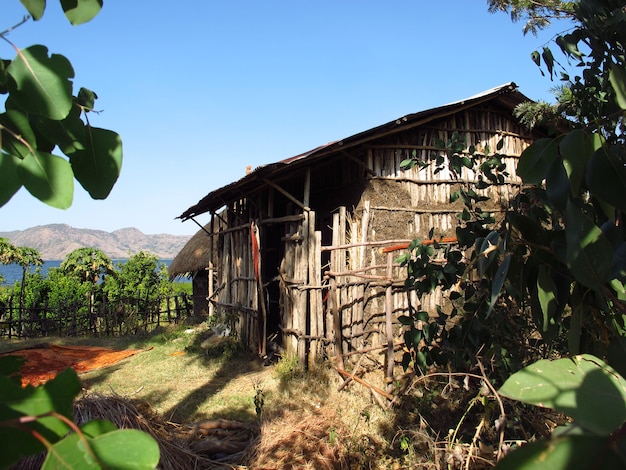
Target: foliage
64,290
41,114
592,394
88,264
537,13
585,180
22,256
88,292
141,277
37,419
560,252
550,274
477,317
287,368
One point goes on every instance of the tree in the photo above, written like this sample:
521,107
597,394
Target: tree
537,13
137,276
138,284
559,256
23,256
90,266
43,117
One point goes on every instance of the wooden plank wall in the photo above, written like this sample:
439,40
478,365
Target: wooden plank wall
353,303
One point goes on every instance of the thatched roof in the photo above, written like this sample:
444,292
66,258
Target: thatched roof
507,96
194,256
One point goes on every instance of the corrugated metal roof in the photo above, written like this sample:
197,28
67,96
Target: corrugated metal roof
507,94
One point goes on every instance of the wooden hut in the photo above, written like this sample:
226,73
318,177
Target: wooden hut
298,254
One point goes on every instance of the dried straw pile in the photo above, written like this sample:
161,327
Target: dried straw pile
300,439
204,445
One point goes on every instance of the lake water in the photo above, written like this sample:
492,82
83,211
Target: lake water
13,272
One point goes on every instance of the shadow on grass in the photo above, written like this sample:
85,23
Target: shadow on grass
233,362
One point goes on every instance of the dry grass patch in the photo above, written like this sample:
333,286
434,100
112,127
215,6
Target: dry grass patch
304,421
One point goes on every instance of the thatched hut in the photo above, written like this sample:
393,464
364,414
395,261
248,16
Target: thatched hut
297,245
192,262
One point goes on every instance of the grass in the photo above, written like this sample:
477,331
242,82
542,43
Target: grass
186,376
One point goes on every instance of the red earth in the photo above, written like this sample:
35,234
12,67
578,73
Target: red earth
43,362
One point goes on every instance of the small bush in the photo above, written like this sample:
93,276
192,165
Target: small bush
287,368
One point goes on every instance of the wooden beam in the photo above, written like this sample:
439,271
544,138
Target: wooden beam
286,194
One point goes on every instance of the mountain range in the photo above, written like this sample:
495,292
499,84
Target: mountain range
56,241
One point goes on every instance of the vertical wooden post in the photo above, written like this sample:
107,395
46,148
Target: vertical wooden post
211,268
359,321
261,312
389,323
286,298
315,294
210,289
342,297
332,305
311,293
301,295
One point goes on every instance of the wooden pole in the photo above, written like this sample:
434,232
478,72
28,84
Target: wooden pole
389,325
262,317
342,297
301,275
211,268
332,304
313,268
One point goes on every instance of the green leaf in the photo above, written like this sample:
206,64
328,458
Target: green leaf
546,292
606,175
569,45
557,185
487,252
498,282
70,453
69,133
42,84
617,78
64,388
106,447
407,164
575,329
18,137
583,387
98,166
86,98
10,367
35,8
548,59
126,449
589,253
564,453
536,58
535,161
97,427
49,178
576,149
81,11
530,229
16,402
9,181
422,316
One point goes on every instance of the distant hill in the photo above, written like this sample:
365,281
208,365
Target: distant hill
55,241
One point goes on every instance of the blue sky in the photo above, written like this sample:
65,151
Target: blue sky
200,89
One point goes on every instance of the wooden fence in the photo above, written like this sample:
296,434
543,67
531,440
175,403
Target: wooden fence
125,316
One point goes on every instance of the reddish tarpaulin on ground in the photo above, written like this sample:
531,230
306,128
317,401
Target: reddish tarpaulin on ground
44,362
